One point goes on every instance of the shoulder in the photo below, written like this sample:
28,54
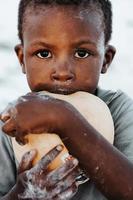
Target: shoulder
117,101
7,164
121,108
5,142
109,96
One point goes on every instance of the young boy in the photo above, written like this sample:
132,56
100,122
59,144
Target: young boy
64,48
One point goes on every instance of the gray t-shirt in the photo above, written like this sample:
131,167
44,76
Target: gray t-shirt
121,108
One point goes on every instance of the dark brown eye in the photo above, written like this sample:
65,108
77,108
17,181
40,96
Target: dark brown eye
81,53
44,54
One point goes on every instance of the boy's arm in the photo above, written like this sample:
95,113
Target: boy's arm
107,167
111,171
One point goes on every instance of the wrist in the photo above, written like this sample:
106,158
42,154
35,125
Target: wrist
64,116
12,195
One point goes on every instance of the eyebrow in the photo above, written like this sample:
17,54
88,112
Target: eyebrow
78,43
81,42
40,43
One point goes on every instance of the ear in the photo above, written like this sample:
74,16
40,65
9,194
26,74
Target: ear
109,55
19,51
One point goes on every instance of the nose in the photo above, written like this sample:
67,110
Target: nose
63,74
62,77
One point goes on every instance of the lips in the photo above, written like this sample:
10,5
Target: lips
60,90
57,89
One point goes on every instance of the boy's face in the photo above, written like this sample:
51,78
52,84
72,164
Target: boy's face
64,50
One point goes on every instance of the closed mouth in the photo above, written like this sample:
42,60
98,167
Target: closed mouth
62,91
57,89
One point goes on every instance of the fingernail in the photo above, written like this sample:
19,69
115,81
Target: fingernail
4,116
59,147
75,161
33,151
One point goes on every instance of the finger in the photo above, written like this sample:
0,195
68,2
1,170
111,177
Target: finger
64,184
67,194
48,158
4,116
57,175
27,161
21,140
9,128
31,94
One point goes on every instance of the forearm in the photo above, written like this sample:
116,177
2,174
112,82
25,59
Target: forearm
111,172
109,169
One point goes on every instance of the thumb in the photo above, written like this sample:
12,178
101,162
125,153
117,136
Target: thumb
27,161
4,116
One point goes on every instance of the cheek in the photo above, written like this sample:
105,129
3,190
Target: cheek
89,71
88,75
37,74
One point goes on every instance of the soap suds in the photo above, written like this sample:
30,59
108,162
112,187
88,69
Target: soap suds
32,191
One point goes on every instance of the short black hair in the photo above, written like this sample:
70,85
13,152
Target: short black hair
104,5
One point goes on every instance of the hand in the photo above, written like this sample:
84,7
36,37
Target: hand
33,113
38,183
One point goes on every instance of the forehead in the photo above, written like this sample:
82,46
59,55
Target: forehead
64,21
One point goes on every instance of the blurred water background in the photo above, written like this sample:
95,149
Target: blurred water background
119,76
